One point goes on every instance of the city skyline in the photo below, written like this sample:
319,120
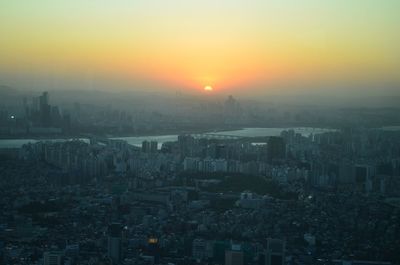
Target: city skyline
201,132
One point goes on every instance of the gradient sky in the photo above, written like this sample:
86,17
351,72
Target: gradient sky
228,44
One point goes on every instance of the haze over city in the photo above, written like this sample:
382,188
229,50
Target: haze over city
155,132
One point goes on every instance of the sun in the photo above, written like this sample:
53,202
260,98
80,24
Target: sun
208,88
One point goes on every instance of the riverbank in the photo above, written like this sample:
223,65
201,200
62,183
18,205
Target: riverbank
137,139
116,135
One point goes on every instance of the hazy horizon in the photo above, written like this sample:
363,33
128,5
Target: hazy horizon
200,132
342,50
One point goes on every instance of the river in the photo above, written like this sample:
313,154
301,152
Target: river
137,140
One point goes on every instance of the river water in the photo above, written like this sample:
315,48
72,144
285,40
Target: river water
137,140
245,132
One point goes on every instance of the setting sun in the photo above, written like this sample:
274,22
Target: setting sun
208,88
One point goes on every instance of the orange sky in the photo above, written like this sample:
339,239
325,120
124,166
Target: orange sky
190,44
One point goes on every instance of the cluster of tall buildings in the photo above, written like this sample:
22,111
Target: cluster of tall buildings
38,117
270,201
149,146
284,159
41,114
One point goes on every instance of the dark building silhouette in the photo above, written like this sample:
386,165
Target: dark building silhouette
276,148
45,109
114,244
149,146
153,249
275,252
220,151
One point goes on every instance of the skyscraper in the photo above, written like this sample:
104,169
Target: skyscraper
44,109
149,146
276,148
153,248
275,253
114,248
